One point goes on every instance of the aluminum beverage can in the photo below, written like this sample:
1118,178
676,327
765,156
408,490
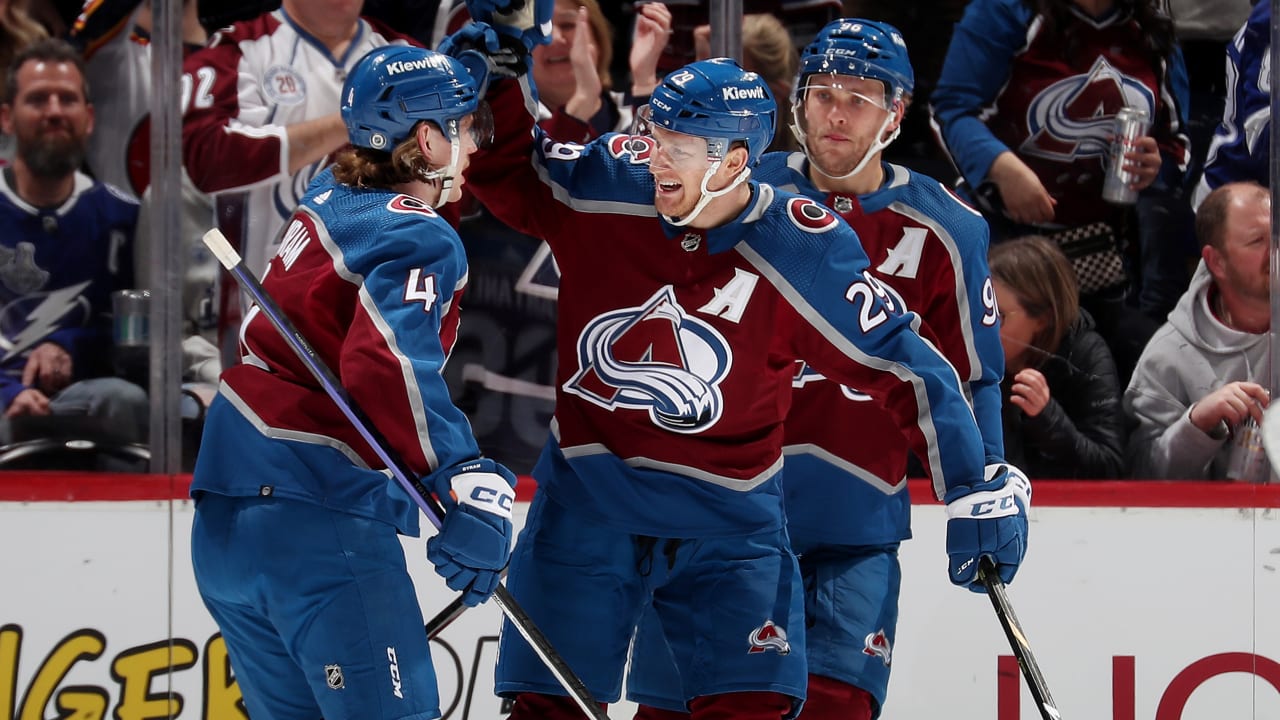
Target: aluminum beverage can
130,326
1248,458
1131,123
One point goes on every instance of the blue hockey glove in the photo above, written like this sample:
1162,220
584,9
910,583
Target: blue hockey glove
485,53
989,519
474,543
528,21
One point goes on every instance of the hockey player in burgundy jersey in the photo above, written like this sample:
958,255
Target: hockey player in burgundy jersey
687,294
294,543
846,501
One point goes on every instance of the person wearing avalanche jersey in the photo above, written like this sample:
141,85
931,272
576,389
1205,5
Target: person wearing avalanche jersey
1026,107
1241,146
687,294
294,543
260,118
846,501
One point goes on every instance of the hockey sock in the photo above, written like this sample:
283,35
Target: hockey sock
536,706
741,706
831,699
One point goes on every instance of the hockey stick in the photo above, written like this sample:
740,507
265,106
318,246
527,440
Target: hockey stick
1017,639
445,617
231,260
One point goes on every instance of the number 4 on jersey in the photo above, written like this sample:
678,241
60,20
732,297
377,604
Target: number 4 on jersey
421,287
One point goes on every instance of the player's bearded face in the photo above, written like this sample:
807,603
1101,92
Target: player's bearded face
841,117
678,165
50,118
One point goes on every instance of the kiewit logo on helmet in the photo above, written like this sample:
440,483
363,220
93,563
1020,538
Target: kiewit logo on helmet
740,93
402,66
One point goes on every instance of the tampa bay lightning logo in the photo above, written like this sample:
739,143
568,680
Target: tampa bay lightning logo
654,357
1074,117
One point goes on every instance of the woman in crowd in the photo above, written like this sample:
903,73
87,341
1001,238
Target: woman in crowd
1062,416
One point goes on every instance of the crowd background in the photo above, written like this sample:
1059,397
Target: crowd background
1192,60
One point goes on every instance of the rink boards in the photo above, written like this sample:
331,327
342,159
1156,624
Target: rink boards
1142,601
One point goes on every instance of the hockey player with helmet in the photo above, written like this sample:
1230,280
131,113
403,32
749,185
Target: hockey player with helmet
687,294
846,499
294,543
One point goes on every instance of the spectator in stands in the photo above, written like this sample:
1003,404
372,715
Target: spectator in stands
1061,393
1026,105
66,247
803,18
1241,146
261,119
1205,29
1199,377
17,31
767,49
114,37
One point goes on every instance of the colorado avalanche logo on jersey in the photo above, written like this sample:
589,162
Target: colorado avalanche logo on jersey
635,148
809,216
1073,118
654,357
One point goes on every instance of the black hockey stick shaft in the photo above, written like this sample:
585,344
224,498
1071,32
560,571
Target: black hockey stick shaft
408,480
1017,639
445,617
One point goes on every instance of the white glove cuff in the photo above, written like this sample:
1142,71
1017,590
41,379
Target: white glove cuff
484,491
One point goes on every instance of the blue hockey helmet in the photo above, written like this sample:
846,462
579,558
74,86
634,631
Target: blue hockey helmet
720,102
859,48
394,87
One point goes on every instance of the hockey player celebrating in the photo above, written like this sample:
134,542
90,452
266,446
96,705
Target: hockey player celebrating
846,500
294,542
688,292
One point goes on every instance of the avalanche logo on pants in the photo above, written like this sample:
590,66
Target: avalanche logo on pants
654,357
877,645
769,637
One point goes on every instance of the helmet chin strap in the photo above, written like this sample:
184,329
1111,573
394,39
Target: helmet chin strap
879,144
447,173
708,195
876,146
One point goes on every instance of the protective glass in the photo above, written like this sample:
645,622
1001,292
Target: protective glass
827,92
674,149
479,125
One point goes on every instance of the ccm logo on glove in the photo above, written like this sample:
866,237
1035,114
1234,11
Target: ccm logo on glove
484,491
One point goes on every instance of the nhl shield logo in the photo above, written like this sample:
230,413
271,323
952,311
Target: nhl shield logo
333,677
843,204
691,241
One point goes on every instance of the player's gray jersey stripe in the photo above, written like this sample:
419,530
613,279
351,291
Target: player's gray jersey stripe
961,286
846,346
384,329
729,483
850,468
282,434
